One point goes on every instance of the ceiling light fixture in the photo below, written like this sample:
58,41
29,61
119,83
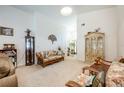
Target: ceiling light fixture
66,11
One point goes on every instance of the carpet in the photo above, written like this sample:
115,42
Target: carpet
55,75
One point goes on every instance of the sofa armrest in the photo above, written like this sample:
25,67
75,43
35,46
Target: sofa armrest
40,58
9,81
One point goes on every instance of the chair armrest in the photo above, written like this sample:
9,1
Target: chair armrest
9,81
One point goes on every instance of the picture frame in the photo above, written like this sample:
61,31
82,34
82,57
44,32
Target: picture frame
0,30
6,31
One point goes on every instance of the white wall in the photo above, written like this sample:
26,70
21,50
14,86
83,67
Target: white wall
40,25
120,31
106,19
44,26
20,21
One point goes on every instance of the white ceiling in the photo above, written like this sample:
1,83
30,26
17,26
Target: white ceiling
53,11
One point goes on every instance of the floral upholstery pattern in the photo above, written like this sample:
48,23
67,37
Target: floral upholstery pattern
115,72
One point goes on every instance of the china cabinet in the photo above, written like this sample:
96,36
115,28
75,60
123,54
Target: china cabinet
29,49
94,45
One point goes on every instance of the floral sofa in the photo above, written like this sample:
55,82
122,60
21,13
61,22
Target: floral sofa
48,57
115,75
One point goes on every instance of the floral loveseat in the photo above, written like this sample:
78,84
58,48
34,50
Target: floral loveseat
48,57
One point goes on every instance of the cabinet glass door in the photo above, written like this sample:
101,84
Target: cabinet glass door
29,51
94,48
100,47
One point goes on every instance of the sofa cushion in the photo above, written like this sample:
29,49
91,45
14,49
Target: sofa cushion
46,60
4,67
52,53
58,57
45,54
52,58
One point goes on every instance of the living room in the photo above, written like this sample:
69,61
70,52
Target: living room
40,23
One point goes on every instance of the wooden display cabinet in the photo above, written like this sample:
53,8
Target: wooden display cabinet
29,49
94,45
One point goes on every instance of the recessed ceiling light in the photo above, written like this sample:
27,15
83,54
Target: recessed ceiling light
66,11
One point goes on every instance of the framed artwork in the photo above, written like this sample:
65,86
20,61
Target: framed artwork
6,31
52,38
0,30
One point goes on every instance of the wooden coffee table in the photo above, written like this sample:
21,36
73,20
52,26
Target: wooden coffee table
95,68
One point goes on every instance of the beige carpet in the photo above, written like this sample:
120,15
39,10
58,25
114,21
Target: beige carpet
55,75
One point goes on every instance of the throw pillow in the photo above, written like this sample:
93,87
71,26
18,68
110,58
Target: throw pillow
101,76
85,80
50,53
88,80
44,54
54,53
95,82
60,53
